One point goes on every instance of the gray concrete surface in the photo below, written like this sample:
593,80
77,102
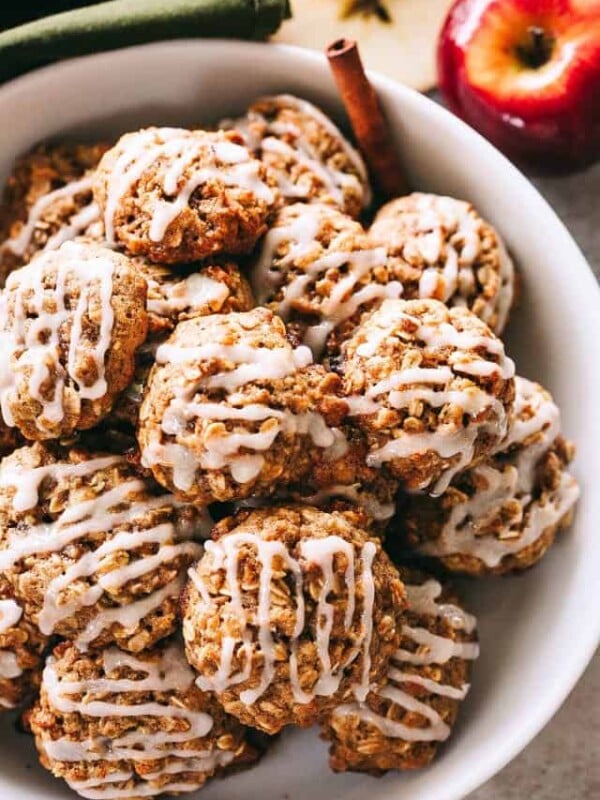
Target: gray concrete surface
563,762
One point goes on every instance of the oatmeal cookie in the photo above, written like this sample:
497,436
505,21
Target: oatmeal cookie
503,514
440,247
177,195
317,270
290,611
431,388
198,291
93,552
70,323
309,156
47,201
113,724
232,410
401,725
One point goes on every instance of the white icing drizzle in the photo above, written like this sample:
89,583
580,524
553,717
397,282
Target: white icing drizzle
222,449
437,649
197,291
303,152
534,426
31,340
361,689
10,614
438,335
423,599
448,444
177,149
296,272
225,554
428,385
465,530
27,481
167,674
447,234
77,223
355,493
433,649
128,617
100,514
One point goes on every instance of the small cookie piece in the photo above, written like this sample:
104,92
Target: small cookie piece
309,156
70,323
232,410
401,725
318,271
431,388
176,195
115,725
441,248
93,552
290,611
47,201
21,651
503,514
348,484
198,291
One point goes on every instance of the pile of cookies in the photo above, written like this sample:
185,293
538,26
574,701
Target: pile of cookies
241,433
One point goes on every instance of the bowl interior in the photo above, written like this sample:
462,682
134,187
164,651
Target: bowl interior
538,630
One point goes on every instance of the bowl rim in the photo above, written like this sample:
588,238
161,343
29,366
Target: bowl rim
582,275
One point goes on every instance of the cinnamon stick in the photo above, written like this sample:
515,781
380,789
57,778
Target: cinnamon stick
370,127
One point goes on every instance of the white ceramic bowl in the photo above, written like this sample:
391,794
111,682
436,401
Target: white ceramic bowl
539,630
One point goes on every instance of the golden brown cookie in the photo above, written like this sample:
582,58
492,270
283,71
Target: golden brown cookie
503,514
177,195
120,725
233,410
93,551
290,611
71,322
430,387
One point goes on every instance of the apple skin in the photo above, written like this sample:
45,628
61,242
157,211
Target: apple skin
545,114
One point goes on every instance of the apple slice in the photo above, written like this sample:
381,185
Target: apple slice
396,37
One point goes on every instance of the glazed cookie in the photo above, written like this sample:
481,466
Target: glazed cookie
70,323
317,270
401,725
199,291
115,725
232,410
289,612
309,156
503,514
21,651
93,552
440,247
177,195
47,201
431,388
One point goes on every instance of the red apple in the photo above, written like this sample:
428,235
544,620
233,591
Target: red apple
526,74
